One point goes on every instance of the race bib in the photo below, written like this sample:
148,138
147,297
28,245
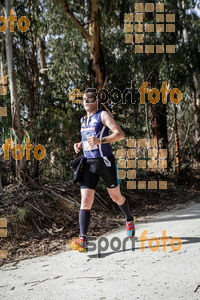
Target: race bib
87,147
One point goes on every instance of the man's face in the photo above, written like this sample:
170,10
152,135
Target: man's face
89,101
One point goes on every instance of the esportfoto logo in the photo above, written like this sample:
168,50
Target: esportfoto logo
116,244
162,22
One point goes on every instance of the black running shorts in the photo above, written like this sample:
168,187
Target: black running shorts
93,168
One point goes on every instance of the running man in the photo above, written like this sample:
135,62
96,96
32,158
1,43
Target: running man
100,161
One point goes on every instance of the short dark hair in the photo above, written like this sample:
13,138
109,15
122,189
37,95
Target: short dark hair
92,91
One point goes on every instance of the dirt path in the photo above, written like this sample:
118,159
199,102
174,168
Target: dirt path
128,274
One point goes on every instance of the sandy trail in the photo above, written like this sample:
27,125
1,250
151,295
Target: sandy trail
128,274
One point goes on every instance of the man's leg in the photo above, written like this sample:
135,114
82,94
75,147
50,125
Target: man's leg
87,198
111,180
117,197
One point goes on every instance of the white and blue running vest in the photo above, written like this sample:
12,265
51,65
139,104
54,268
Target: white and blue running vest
95,127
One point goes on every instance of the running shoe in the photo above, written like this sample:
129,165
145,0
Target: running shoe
79,244
130,228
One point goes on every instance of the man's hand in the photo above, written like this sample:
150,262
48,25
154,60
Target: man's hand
93,141
77,147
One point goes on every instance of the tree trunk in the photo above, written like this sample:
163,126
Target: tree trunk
93,39
195,105
13,90
159,124
158,115
177,144
43,63
1,186
96,53
3,73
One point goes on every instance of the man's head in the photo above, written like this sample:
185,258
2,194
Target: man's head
90,100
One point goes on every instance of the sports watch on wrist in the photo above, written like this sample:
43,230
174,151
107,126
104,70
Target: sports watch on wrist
102,140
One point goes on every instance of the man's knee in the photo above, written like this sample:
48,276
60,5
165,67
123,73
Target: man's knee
118,198
86,203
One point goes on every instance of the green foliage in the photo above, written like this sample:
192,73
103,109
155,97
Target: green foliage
24,214
47,115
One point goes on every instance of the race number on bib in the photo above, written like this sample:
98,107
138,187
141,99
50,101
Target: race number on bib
87,147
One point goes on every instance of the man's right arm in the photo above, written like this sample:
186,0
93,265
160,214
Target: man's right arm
78,146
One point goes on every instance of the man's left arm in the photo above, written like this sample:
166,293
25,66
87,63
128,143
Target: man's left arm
108,121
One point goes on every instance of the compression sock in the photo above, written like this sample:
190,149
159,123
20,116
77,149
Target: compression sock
126,211
84,219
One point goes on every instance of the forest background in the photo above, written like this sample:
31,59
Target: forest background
76,45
